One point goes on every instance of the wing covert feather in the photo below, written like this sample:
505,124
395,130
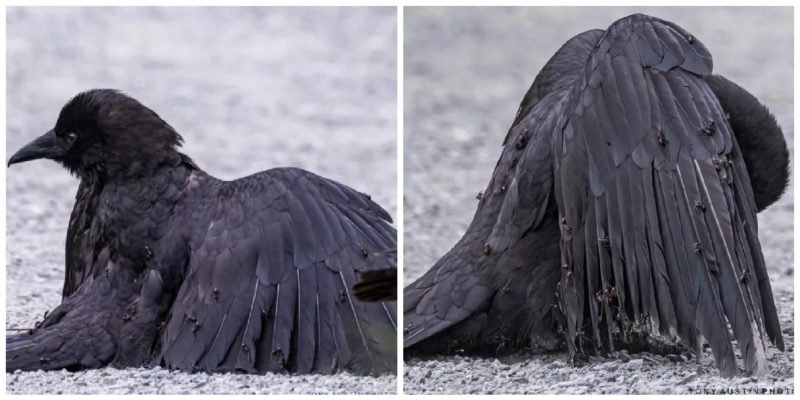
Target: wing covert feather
268,287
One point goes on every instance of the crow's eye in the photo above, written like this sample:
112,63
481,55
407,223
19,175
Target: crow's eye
70,137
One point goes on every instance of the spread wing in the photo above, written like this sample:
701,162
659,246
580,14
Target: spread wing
516,201
268,289
658,220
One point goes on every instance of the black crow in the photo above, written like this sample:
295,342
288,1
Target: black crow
623,207
167,265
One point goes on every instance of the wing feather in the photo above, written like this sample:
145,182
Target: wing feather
267,288
646,157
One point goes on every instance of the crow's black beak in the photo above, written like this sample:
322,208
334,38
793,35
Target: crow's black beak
43,147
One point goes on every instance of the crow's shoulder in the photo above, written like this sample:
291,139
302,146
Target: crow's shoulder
279,183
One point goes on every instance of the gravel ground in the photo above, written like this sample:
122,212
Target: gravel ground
466,70
249,89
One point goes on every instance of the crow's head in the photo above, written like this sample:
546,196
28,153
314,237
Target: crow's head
103,133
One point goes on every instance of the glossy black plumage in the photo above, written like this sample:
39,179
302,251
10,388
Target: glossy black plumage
623,205
169,266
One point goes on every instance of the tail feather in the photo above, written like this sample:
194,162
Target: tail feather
376,285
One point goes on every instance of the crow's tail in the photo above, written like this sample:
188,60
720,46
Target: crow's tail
377,285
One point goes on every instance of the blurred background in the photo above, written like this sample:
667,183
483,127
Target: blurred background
248,88
466,70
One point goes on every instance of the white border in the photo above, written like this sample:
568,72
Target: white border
400,214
